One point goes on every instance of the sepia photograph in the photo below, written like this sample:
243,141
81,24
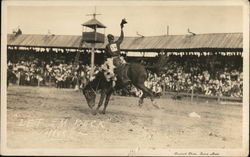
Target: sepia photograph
125,78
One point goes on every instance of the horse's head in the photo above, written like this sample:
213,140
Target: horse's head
90,95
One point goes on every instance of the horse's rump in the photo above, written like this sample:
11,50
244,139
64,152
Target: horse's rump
137,72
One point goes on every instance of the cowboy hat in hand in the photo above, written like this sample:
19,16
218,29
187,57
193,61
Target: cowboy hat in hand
123,22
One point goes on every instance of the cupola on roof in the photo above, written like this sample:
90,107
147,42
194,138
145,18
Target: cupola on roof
94,23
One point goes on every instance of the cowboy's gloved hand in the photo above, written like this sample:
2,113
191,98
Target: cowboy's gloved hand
123,22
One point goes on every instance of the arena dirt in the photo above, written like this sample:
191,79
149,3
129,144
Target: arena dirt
41,117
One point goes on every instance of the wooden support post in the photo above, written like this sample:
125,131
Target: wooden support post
93,55
77,82
92,60
164,89
49,81
19,78
192,94
219,98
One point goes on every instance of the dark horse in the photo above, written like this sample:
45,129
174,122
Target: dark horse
137,74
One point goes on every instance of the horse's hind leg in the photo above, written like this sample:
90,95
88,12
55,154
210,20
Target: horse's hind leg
146,92
144,95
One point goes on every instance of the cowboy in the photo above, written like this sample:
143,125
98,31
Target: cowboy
113,55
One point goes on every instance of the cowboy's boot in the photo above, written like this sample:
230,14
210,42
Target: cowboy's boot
125,80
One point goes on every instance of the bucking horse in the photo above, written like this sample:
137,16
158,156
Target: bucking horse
137,74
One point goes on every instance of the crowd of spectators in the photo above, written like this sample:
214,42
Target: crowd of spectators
177,76
225,83
37,73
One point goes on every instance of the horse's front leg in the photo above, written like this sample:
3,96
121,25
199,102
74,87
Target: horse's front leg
106,102
103,94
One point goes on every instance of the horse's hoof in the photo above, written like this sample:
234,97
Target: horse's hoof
103,112
94,112
155,105
140,102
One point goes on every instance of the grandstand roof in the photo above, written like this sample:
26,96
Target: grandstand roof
219,41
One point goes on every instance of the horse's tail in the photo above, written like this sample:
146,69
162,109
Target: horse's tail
159,66
154,69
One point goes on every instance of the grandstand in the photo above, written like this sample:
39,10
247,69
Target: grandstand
206,62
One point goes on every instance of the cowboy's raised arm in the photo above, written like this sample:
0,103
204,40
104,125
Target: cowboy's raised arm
120,39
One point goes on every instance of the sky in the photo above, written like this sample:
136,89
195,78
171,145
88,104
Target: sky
146,20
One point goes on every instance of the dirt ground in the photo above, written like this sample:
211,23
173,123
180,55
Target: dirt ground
41,117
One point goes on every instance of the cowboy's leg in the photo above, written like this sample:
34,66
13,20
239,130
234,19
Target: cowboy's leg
125,75
123,70
116,61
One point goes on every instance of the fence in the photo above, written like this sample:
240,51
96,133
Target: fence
192,95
